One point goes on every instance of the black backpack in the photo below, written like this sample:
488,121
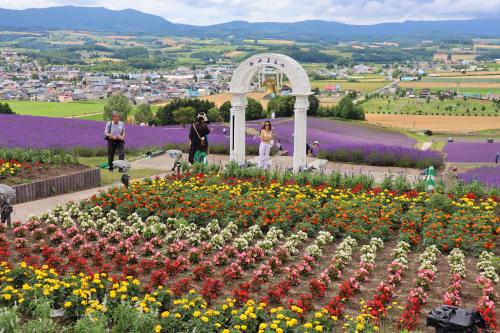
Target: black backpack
451,319
5,211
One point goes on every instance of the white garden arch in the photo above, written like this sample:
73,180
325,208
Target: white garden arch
240,86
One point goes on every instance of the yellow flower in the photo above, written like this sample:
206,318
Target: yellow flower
178,315
204,319
157,328
196,314
319,328
67,304
7,297
165,314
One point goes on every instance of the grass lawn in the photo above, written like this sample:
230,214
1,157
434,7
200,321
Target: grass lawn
54,109
419,106
345,85
459,79
462,90
108,177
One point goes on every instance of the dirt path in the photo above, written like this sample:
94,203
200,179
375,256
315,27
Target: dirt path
85,115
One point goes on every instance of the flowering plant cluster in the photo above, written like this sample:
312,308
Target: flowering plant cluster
486,281
259,243
417,296
456,261
377,307
352,284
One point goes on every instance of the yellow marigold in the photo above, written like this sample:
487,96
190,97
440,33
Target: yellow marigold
165,314
67,304
157,328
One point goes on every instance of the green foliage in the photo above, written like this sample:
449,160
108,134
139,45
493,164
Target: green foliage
119,103
9,319
165,115
347,110
254,110
281,106
6,109
185,115
127,319
313,105
131,52
143,114
41,325
94,323
213,115
225,111
38,155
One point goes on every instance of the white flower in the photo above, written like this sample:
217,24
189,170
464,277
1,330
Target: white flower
314,251
241,243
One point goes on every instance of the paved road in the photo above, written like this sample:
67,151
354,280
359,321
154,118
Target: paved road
387,86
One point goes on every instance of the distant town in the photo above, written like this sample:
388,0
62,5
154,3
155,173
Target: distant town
23,79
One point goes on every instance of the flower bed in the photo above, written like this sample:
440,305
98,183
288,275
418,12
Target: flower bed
222,254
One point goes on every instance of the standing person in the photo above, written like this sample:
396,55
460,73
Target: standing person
114,133
497,157
266,136
198,137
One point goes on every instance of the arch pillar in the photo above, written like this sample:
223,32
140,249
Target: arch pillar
237,137
300,132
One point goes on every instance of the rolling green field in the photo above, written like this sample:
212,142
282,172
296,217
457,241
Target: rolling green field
54,109
493,79
463,90
419,106
361,86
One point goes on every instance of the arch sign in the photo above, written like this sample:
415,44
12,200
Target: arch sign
240,86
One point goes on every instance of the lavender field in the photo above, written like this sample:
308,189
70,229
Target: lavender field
489,176
350,142
45,132
339,141
472,152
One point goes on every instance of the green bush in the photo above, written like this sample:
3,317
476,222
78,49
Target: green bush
9,319
38,155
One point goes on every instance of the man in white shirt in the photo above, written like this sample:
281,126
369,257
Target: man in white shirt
115,135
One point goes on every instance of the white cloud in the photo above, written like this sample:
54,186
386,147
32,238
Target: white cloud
202,12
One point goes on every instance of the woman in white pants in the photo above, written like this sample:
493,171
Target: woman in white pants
266,136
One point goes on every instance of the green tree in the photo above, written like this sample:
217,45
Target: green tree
225,111
143,114
6,109
184,115
281,106
253,110
313,105
213,115
119,103
165,114
347,110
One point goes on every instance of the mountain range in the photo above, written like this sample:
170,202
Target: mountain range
131,21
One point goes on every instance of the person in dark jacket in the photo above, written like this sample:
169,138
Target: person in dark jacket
198,137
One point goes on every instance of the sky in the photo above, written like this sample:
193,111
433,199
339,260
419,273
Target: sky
206,12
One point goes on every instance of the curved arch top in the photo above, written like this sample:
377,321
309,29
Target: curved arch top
242,76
